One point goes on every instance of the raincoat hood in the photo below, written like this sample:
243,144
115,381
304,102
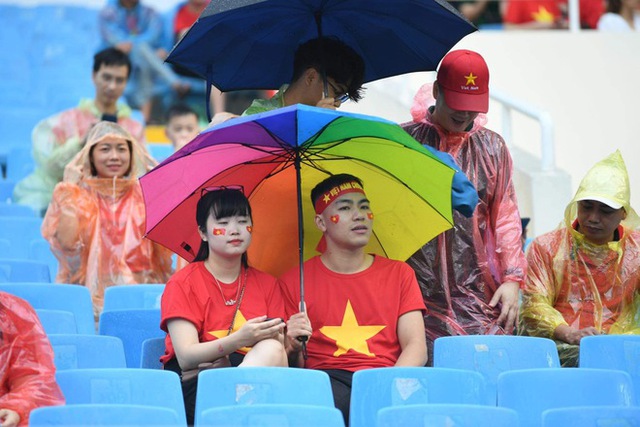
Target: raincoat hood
607,180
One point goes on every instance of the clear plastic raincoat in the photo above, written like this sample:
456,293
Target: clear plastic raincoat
107,239
574,282
460,270
27,378
56,140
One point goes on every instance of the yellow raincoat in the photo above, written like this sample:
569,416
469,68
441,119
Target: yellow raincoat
571,281
109,246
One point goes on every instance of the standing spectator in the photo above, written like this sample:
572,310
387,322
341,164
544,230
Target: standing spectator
584,278
622,16
96,221
469,275
57,139
136,30
27,379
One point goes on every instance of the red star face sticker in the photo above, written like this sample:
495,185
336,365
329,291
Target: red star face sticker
335,218
219,231
250,228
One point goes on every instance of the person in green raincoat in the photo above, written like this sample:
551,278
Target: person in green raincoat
584,278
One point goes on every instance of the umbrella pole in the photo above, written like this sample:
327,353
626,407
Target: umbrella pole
303,308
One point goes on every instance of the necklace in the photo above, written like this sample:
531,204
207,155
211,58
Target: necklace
231,301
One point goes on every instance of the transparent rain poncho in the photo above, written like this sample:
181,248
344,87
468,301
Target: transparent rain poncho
460,270
27,378
107,237
574,282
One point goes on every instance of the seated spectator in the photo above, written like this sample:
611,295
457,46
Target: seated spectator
27,380
483,13
57,139
96,221
535,15
218,311
137,29
622,16
182,125
584,278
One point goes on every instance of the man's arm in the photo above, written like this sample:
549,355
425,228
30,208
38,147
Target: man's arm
412,339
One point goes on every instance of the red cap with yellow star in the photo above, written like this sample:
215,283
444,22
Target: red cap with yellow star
463,77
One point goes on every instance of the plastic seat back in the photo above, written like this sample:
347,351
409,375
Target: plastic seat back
57,321
530,392
12,209
23,270
40,250
57,296
100,415
76,351
374,389
152,349
491,355
132,297
132,327
450,415
146,387
20,231
613,352
592,416
256,385
273,415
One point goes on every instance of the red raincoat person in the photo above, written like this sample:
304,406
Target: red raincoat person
469,275
584,277
27,379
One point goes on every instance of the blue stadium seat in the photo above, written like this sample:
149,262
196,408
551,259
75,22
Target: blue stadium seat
255,385
79,351
149,387
23,270
20,231
449,415
133,327
6,189
152,349
73,298
20,162
57,321
104,415
374,389
131,297
530,392
620,352
272,416
40,250
592,416
492,354
160,151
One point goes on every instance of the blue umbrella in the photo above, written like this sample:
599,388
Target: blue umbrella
249,44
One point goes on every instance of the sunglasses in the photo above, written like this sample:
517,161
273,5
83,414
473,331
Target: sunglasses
206,190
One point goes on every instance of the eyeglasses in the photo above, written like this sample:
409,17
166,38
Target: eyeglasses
206,190
339,95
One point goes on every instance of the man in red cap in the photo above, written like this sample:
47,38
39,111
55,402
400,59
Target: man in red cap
469,275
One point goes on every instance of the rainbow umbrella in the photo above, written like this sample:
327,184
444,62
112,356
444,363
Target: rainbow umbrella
278,157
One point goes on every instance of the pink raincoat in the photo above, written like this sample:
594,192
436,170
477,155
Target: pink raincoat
460,270
27,379
109,245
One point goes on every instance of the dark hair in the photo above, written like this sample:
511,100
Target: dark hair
221,203
614,6
336,59
330,182
110,57
177,110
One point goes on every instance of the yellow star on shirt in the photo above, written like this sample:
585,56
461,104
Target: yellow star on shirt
350,335
240,320
543,15
471,79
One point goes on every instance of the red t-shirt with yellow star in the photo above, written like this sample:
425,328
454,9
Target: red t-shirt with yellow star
354,316
523,11
192,294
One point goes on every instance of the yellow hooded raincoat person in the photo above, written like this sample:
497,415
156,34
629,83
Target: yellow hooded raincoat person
96,220
584,278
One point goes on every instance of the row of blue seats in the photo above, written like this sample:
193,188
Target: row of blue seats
522,399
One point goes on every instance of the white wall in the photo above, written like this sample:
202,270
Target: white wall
589,82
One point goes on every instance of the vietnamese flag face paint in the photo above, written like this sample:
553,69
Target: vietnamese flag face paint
335,218
250,229
219,231
370,215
